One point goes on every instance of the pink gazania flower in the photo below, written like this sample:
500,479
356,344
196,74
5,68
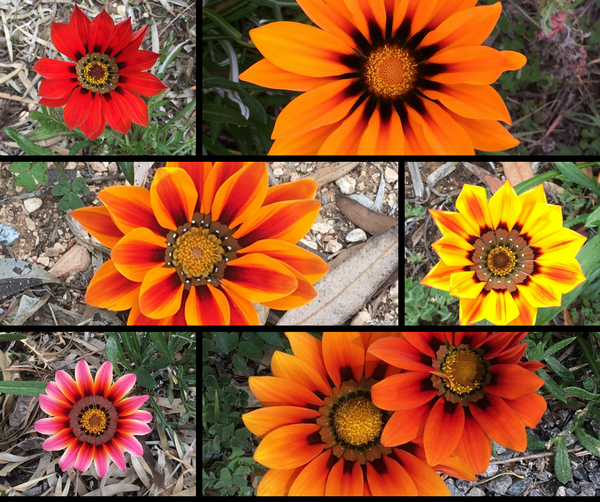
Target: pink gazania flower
101,83
91,419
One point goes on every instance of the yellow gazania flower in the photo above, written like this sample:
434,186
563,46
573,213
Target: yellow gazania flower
386,77
506,258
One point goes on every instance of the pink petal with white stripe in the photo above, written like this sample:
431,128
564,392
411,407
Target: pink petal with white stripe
128,443
101,461
84,457
68,386
51,425
59,441
70,455
132,427
121,387
131,404
53,406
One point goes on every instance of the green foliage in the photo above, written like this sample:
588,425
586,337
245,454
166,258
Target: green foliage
71,192
28,174
423,303
418,211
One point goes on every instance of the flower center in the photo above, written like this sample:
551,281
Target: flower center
390,71
97,72
464,370
197,252
357,421
93,421
501,261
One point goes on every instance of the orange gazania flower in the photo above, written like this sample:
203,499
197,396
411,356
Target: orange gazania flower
506,258
321,431
202,244
100,82
386,77
91,419
459,390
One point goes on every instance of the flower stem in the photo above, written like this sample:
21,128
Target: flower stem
60,170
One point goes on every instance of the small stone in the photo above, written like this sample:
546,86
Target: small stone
360,186
571,493
454,491
30,224
591,465
357,235
55,250
121,10
8,235
295,176
326,238
561,492
536,492
362,199
491,471
321,227
595,479
32,204
334,246
346,184
361,319
519,486
543,476
391,176
476,492
393,294
43,260
310,244
74,260
278,172
500,485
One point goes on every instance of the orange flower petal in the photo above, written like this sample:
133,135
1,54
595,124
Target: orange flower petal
383,134
344,356
220,172
109,289
387,477
98,222
300,442
439,276
302,49
295,369
475,448
173,195
301,296
443,430
511,381
453,250
473,205
130,208
295,190
400,353
215,307
265,420
347,133
241,195
529,408
136,318
451,222
345,479
403,391
369,17
465,285
161,293
426,480
404,426
139,252
486,135
309,349
334,18
313,478
242,312
277,482
288,221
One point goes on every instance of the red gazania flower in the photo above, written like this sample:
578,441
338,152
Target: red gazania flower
321,431
458,391
100,85
386,77
505,258
91,419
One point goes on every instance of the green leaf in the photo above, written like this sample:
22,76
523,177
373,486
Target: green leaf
226,342
80,145
127,170
61,188
557,346
70,201
552,386
112,349
11,337
19,167
40,172
559,369
535,444
158,339
593,220
215,113
562,464
250,350
590,443
35,115
271,338
28,146
588,257
583,394
25,180
144,378
256,109
540,178
574,174
239,362
30,388
80,186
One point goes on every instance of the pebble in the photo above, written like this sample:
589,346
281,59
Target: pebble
519,486
278,172
391,176
357,235
32,204
454,491
310,244
500,485
334,246
43,260
362,199
8,235
543,476
476,492
536,492
321,227
30,224
491,471
561,492
74,260
55,250
361,318
595,479
393,294
346,184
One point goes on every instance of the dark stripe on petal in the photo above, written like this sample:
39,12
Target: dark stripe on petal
379,371
385,111
319,394
416,39
375,33
414,101
359,102
370,108
428,85
483,403
402,32
331,462
389,19
308,421
341,77
314,438
346,373
348,466
379,466
352,61
355,88
420,55
426,384
361,42
401,110
430,69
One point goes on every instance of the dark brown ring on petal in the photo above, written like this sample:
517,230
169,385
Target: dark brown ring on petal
97,402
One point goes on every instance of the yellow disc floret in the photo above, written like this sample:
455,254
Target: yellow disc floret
96,73
197,252
390,72
94,421
464,370
501,261
357,421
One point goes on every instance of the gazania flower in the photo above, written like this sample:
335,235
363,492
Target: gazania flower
99,86
458,390
91,419
321,431
506,258
386,77
202,244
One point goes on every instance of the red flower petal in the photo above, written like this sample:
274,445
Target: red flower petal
135,42
121,37
302,295
116,454
109,289
129,443
215,307
173,196
301,442
67,386
101,460
54,406
529,408
161,293
138,252
428,483
404,426
98,222
70,455
59,441
94,126
443,430
143,83
344,356
116,117
81,23
55,70
127,426
66,40
132,61
136,106
57,89
84,457
512,381
475,448
55,102
122,386
100,32
78,108
403,391
52,425
310,481
131,405
387,477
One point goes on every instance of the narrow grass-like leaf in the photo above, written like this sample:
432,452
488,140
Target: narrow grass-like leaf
571,171
31,388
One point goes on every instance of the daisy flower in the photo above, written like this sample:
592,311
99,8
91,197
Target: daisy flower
321,430
505,258
100,82
91,419
386,77
458,391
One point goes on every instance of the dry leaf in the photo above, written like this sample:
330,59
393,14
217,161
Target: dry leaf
16,275
517,172
588,172
110,490
416,237
331,172
190,492
567,316
491,181
365,218
346,288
